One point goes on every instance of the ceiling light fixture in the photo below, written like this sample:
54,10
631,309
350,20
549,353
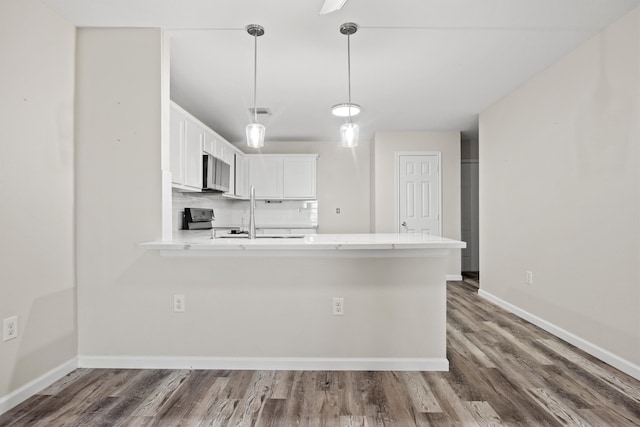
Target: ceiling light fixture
342,110
255,131
349,131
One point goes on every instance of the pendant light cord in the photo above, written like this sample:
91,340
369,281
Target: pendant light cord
349,72
255,76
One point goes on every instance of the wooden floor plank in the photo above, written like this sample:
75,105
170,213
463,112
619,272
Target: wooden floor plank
64,382
623,384
419,392
156,399
483,413
503,371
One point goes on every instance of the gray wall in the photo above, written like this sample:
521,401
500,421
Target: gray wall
560,194
37,278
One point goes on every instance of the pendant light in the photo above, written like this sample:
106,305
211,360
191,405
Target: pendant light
349,131
255,131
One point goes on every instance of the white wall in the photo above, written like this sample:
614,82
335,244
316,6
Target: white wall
37,281
234,307
560,194
343,182
383,185
118,181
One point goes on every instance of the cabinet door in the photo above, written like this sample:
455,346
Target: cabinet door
193,154
241,177
220,150
265,173
299,177
176,137
209,142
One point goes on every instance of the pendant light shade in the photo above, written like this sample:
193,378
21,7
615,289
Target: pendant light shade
255,135
349,132
255,131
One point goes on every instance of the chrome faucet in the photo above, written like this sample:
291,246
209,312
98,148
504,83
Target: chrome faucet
252,212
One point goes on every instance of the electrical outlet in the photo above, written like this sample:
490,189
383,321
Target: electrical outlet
338,306
178,304
10,328
529,278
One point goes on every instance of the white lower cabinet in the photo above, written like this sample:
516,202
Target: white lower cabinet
283,177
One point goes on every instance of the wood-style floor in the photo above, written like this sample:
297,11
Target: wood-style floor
504,371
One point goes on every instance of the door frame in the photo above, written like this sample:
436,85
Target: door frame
474,248
438,155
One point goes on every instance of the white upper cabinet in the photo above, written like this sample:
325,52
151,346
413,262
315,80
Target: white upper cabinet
194,135
177,124
275,176
283,176
265,174
209,142
190,139
186,150
299,177
241,182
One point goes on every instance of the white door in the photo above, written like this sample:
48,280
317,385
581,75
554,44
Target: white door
419,194
470,223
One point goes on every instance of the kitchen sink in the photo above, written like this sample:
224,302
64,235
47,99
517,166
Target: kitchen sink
262,236
279,236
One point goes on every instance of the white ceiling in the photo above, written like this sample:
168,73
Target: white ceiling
416,64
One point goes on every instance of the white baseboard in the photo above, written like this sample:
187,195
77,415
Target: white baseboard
26,391
606,356
266,364
454,277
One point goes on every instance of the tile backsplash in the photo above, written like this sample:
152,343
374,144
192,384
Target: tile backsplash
235,213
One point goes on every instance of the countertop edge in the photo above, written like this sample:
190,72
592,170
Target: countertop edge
341,243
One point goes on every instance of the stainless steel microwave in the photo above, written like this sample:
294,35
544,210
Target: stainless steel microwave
216,174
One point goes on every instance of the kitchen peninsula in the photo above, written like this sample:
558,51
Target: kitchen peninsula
392,286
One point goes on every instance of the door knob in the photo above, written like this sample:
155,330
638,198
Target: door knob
404,223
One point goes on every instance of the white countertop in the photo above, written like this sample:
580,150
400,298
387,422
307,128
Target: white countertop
403,245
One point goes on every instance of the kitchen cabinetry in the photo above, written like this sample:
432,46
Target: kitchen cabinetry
265,174
176,126
284,177
186,150
241,176
193,135
190,138
209,142
299,177
275,176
